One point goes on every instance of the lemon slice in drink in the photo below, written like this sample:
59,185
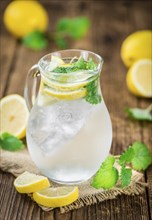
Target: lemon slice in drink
29,182
55,62
66,95
56,197
14,115
139,78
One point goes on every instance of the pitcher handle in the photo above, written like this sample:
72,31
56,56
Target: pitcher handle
31,86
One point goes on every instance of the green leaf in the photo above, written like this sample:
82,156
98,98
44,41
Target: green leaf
91,65
74,27
10,142
127,156
79,27
61,42
125,176
35,40
92,92
107,175
139,114
142,157
80,64
108,163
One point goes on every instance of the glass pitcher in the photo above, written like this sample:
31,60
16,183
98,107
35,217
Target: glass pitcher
69,131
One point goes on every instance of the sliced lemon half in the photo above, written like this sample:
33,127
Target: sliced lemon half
139,78
56,197
29,183
65,95
14,115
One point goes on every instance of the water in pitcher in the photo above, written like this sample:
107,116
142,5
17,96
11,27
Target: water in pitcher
68,135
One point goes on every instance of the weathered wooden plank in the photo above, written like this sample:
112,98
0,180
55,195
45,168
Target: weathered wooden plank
7,53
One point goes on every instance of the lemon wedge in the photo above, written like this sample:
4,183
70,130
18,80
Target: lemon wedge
14,115
29,183
139,78
58,60
56,197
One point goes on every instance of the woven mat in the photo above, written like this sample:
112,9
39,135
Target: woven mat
18,162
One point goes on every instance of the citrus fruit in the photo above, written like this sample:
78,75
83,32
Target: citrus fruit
139,78
24,17
14,115
137,46
29,183
65,95
56,197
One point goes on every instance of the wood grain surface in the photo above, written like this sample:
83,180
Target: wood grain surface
111,22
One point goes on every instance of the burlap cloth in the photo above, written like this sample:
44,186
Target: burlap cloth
18,162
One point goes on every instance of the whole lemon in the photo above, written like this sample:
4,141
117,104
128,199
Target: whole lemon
137,46
23,17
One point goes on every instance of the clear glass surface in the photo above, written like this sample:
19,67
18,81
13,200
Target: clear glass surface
68,138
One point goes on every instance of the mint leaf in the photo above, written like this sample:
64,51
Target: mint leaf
90,64
92,92
80,64
125,176
127,156
142,157
139,114
107,175
74,27
35,40
62,43
10,142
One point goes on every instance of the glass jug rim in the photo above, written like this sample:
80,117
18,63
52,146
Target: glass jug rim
56,53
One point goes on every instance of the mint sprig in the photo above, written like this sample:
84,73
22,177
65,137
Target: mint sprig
140,114
10,142
80,64
92,92
137,156
125,176
107,175
35,40
73,28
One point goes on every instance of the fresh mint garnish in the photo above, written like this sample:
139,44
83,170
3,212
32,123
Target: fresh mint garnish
92,92
107,175
74,28
142,157
126,156
10,142
66,28
35,40
80,64
137,156
140,114
125,176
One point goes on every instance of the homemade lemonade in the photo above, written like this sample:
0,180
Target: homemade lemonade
69,131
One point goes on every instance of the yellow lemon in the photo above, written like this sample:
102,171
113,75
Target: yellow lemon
14,115
29,183
23,17
65,95
137,46
139,78
56,197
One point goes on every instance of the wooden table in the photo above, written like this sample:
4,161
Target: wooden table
111,21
